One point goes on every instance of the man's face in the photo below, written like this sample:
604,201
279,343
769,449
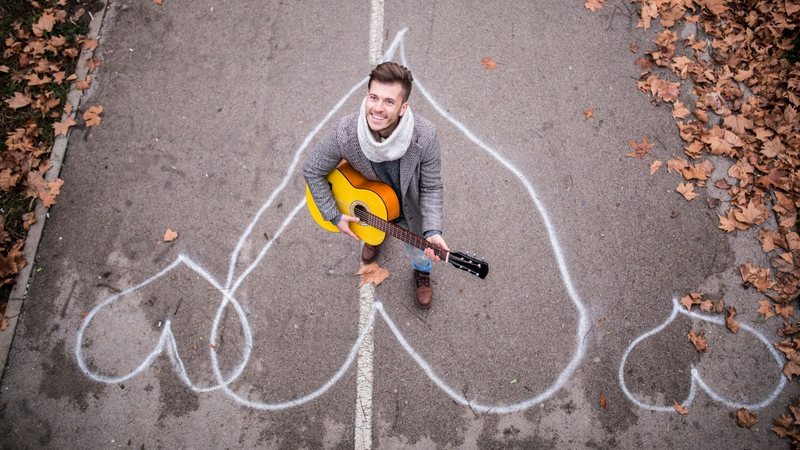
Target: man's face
384,107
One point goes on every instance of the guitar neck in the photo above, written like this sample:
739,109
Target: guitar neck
399,232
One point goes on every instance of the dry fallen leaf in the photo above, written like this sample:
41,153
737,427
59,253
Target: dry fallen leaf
603,401
170,235
488,63
372,273
687,190
588,113
593,5
61,128
640,149
654,166
92,115
730,319
765,309
19,100
680,408
745,418
698,340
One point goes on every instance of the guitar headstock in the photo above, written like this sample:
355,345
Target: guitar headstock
469,264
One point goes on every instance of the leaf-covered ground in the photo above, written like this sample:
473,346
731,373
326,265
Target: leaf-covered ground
41,42
739,63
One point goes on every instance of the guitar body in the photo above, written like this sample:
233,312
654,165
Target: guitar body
350,190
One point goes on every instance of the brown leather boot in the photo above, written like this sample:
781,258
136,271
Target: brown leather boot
423,289
369,253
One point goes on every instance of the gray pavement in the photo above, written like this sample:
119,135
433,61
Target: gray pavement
209,107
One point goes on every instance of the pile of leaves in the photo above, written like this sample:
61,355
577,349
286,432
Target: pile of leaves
41,42
739,63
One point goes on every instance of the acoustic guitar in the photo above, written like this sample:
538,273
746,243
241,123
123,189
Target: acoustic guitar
375,204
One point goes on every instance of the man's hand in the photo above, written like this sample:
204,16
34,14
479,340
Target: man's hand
344,225
437,240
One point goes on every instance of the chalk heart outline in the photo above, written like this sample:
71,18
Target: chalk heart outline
227,291
696,379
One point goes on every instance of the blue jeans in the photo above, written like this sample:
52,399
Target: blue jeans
419,261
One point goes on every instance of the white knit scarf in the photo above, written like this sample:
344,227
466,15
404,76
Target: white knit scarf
393,147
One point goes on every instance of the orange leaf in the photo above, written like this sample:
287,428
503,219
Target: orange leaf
170,235
488,63
588,113
372,273
14,261
89,44
680,408
679,110
603,401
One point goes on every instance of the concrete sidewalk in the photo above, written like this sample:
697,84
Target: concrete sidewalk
244,331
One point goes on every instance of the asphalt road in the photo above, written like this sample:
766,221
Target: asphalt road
242,332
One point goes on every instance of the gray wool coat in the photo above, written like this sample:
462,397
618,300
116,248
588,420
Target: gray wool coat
420,172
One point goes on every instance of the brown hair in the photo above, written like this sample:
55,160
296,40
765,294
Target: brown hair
390,72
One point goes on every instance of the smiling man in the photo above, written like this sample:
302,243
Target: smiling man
386,142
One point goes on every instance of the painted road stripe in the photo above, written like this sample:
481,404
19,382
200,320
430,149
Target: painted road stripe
363,424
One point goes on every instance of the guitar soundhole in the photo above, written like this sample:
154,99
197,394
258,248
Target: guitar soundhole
359,206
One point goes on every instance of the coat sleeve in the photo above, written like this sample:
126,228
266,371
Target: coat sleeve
320,162
431,195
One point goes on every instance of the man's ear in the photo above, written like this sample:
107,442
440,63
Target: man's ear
403,108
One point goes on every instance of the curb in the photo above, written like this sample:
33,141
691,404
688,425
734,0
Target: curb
20,289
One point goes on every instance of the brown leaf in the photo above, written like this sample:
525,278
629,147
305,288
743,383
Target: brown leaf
784,311
633,47
588,113
773,148
83,85
603,402
488,63
92,115
654,166
14,261
61,128
782,425
730,319
765,309
593,5
664,89
19,100
791,368
698,340
372,273
89,44
687,190
679,110
640,149
170,235
44,24
745,418
682,410
739,124
28,220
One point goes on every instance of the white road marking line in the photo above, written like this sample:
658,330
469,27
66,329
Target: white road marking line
375,32
363,428
363,420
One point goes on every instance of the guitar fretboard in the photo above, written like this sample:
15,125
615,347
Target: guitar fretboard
398,232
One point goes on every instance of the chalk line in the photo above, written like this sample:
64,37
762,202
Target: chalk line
696,379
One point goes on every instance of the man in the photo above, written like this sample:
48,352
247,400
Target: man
386,142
